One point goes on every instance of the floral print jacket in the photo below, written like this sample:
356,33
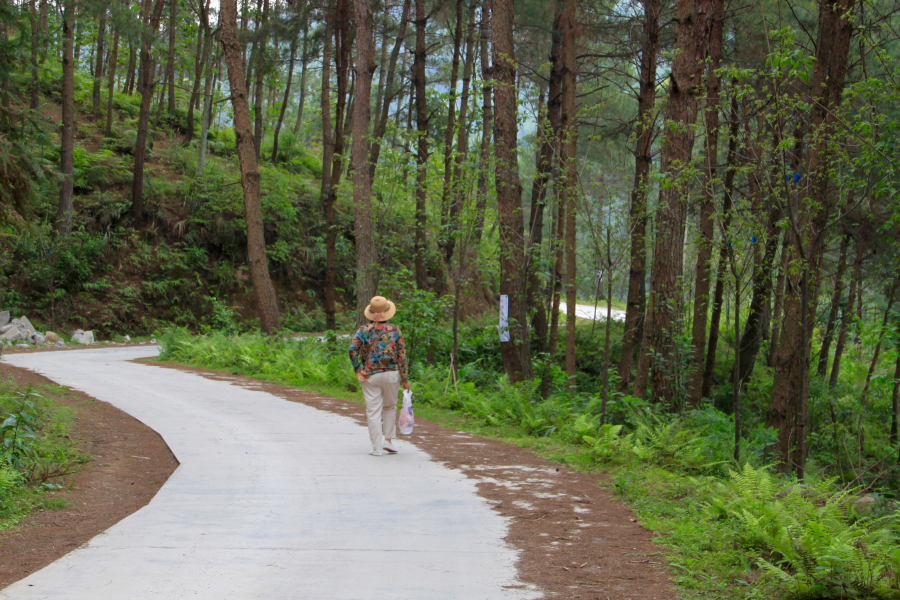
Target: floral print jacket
378,348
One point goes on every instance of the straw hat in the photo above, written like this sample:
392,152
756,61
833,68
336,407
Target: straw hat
380,309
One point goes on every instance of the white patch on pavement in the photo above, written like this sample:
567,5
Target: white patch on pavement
273,499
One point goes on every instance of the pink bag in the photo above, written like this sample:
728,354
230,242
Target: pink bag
407,419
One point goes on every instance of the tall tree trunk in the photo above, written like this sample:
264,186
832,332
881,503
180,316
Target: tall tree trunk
151,27
462,141
270,318
170,63
557,247
516,352
847,313
778,307
569,179
129,74
113,64
260,50
446,192
389,93
788,406
707,207
822,367
325,194
637,218
884,327
487,117
382,65
98,68
207,111
543,168
304,60
719,294
692,35
67,133
366,254
421,242
204,41
284,101
895,405
35,48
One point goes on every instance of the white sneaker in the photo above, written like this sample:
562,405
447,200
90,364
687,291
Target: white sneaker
390,447
376,453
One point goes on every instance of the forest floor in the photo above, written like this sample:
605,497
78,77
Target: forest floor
571,537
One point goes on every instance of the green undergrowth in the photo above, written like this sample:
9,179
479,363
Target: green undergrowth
730,530
35,450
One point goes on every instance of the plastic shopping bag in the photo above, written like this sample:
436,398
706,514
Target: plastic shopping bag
407,420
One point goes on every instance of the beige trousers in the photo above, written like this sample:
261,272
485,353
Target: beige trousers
380,392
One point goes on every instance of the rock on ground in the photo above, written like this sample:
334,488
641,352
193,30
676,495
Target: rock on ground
83,337
29,328
4,317
13,335
52,338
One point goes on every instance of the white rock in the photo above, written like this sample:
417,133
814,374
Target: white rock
83,337
38,339
22,346
29,328
6,328
153,341
127,338
13,335
4,317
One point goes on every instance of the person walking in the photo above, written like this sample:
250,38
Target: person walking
378,354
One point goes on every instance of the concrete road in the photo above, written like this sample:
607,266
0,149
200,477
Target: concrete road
274,500
585,311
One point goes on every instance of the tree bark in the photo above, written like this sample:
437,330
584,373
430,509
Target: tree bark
204,40
284,101
270,318
822,367
304,60
113,63
637,218
207,110
659,346
170,62
389,93
778,307
35,49
98,69
260,50
487,117
446,191
543,168
847,313
557,247
788,406
516,353
366,254
325,194
421,243
719,294
707,208
151,27
67,132
569,179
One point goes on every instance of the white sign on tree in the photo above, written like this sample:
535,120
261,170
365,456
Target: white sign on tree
503,328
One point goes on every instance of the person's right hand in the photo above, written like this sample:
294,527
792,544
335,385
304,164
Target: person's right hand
362,377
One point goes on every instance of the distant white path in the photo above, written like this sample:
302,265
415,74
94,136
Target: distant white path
586,311
273,500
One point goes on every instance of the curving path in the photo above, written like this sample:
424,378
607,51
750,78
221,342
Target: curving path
274,500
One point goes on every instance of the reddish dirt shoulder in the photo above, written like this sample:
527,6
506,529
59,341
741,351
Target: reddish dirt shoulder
130,463
576,539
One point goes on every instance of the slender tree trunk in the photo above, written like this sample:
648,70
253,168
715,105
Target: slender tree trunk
304,60
284,102
847,313
719,294
516,352
777,310
707,207
140,148
884,327
270,318
421,243
557,247
382,65
637,272
204,41
822,367
543,168
207,111
45,38
659,346
366,254
35,48
446,192
325,194
260,79
381,125
67,132
129,75
895,406
170,63
788,406
569,179
113,64
487,116
98,69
